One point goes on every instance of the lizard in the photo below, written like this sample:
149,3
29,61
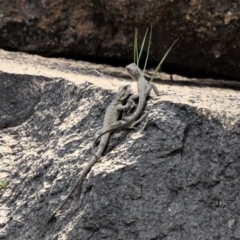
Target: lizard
112,114
144,90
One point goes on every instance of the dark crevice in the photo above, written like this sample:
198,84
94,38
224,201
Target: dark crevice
166,67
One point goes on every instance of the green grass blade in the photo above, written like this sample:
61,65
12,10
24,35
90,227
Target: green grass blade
142,46
3,184
148,50
135,46
159,65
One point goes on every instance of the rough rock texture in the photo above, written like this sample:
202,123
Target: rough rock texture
18,96
176,177
104,28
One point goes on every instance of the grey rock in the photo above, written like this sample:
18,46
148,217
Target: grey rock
18,96
184,185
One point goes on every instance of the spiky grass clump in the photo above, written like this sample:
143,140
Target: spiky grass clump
137,55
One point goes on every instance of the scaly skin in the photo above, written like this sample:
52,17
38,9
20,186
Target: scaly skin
111,116
144,89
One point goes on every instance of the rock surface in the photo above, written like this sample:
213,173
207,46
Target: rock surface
19,94
209,30
176,177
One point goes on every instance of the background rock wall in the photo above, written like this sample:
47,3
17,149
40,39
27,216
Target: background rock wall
103,29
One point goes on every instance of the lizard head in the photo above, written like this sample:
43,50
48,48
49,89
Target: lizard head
134,71
123,92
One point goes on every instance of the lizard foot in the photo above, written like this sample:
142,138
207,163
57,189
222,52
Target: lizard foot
131,104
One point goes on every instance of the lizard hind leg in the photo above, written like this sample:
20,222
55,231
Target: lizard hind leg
117,123
132,126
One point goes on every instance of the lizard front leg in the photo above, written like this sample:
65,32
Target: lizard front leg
130,104
150,87
134,97
154,87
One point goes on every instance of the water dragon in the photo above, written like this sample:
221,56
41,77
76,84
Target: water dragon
144,90
111,116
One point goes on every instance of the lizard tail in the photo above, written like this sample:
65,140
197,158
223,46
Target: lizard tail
79,180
